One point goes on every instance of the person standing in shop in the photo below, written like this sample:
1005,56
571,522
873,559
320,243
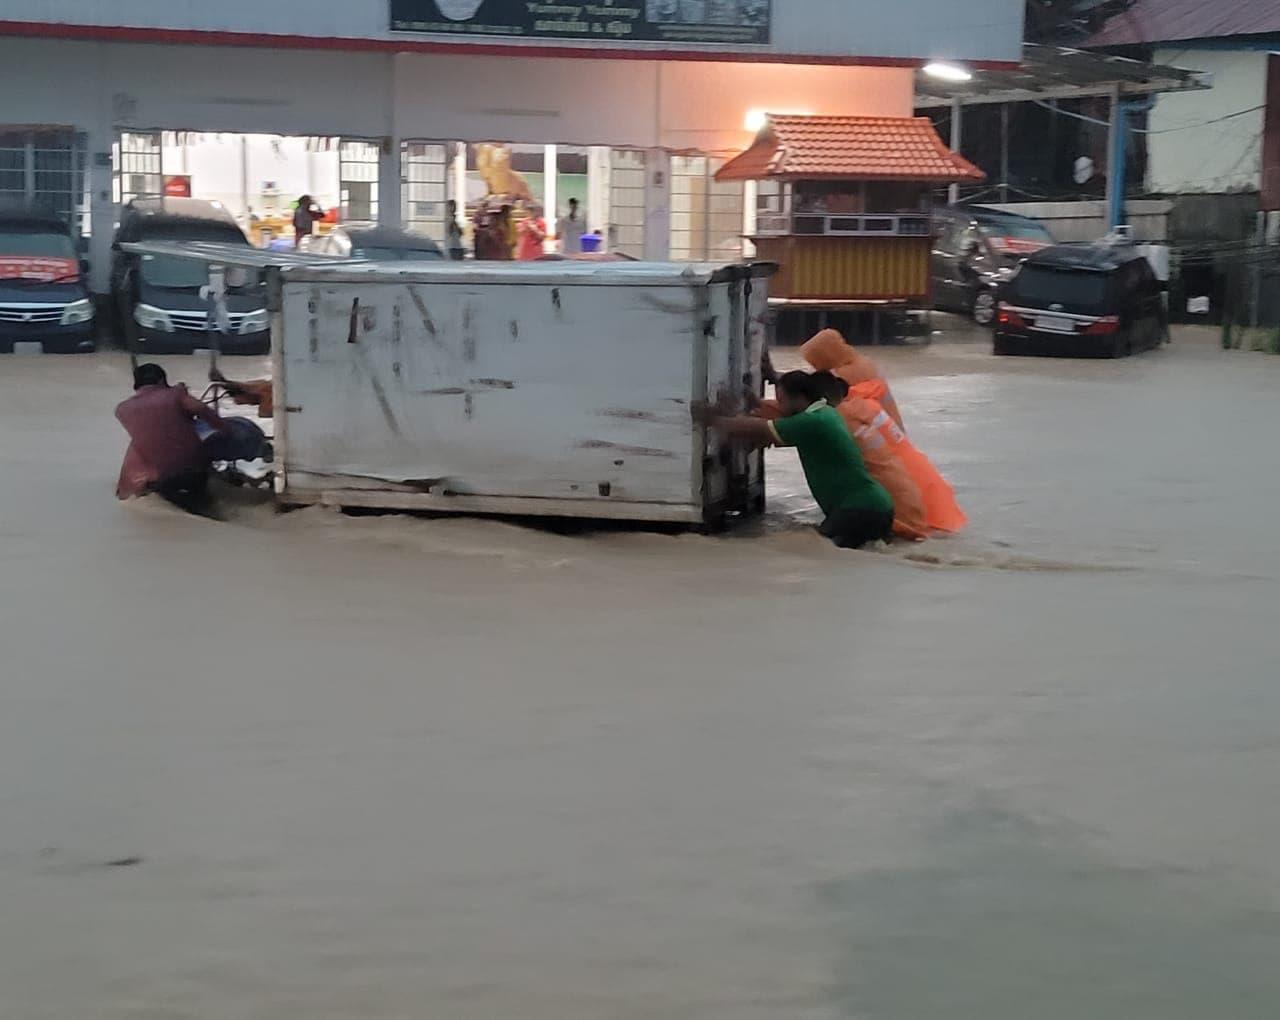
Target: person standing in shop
571,228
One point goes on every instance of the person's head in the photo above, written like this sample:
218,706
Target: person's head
149,374
504,213
797,391
306,202
573,208
832,388
451,207
827,351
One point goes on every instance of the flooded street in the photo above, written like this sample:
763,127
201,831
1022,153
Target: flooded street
310,767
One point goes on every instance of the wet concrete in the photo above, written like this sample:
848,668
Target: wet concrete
319,767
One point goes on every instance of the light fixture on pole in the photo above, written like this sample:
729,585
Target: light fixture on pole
947,72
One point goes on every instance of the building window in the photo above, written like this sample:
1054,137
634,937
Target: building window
706,215
46,167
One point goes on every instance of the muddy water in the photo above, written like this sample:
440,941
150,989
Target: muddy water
319,767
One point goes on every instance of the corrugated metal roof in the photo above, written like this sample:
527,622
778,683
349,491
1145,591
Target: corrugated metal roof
1153,21
1057,72
850,148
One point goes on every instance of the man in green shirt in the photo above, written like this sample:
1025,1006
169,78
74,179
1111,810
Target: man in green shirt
858,509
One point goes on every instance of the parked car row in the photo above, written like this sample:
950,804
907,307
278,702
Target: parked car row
156,302
1002,269
1038,297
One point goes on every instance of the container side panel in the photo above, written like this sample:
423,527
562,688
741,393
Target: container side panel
531,391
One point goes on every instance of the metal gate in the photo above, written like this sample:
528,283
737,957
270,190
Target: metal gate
706,215
358,179
46,167
424,168
139,166
627,170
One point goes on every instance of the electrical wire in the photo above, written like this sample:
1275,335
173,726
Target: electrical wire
1146,131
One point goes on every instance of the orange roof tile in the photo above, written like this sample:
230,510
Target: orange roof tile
849,148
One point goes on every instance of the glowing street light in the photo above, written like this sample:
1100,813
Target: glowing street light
948,72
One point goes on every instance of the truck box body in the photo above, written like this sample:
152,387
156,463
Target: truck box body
553,389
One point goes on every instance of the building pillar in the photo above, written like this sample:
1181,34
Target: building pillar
1004,152
957,139
657,206
100,181
390,163
1116,156
550,189
598,171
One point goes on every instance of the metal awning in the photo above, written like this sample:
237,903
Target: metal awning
1057,72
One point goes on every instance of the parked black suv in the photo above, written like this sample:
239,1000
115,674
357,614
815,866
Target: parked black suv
158,297
975,249
1082,299
43,298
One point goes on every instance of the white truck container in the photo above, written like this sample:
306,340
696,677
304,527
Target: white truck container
531,389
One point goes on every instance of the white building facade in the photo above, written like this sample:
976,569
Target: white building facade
654,90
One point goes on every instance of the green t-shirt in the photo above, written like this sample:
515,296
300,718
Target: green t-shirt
833,464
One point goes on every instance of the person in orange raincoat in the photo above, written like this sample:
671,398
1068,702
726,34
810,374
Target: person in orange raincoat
941,509
866,420
828,351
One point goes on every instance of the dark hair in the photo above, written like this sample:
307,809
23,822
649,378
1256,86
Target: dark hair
801,384
149,375
833,388
573,201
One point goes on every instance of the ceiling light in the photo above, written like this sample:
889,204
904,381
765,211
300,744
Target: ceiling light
948,72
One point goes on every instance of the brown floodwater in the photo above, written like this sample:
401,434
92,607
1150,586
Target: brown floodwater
310,766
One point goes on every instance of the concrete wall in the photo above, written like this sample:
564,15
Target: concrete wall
1087,221
911,29
1190,155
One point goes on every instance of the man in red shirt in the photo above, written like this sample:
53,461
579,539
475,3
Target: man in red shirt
165,454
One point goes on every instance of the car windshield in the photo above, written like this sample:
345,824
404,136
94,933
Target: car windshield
1041,286
378,254
188,274
36,244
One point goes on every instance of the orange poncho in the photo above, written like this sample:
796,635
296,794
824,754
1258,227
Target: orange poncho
941,509
866,421
827,351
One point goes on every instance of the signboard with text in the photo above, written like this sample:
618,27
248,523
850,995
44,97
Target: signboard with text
732,22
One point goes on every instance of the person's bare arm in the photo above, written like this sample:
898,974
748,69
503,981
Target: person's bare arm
739,428
198,409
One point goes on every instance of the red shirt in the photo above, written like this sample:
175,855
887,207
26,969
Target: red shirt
532,233
160,421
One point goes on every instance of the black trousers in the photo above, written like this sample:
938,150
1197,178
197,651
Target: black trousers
855,527
188,491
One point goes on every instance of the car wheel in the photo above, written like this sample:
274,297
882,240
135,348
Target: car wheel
984,308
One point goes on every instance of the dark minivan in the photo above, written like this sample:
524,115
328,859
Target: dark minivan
1100,300
158,297
43,297
975,250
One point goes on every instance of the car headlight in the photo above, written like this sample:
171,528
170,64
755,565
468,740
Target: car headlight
150,317
78,312
255,322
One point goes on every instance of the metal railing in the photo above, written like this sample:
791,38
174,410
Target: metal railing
844,225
